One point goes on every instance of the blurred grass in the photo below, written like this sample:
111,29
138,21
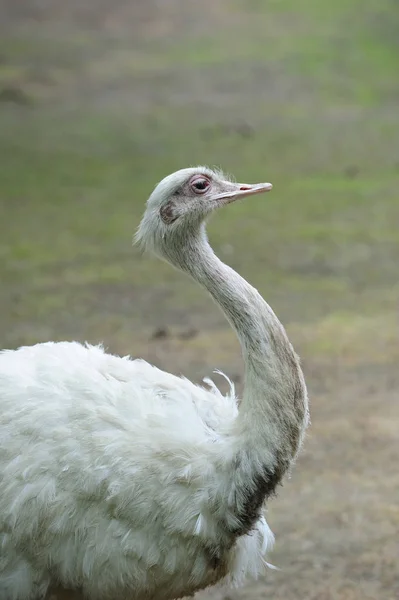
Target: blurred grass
302,97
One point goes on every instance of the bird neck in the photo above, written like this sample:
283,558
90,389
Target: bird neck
273,415
272,371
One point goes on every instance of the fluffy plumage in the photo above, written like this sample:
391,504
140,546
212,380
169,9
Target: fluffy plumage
101,450
123,482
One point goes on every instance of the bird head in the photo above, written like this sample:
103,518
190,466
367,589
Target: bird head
182,201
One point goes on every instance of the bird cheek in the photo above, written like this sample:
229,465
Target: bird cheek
168,213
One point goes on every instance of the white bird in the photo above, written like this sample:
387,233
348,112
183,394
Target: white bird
119,481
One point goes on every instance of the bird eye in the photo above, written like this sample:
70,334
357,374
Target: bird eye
200,185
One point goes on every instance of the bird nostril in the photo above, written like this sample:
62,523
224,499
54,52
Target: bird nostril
245,187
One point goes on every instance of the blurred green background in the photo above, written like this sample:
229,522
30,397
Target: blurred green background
101,99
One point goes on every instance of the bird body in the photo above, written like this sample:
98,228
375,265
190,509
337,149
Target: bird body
122,482
100,450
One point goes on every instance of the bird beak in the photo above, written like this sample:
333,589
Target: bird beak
241,190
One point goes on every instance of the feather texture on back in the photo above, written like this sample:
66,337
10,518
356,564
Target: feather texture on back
95,450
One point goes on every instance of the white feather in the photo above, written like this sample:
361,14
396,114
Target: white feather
91,449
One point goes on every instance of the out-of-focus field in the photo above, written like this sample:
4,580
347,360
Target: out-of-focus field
98,101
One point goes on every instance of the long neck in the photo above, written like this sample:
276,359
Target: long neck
273,413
